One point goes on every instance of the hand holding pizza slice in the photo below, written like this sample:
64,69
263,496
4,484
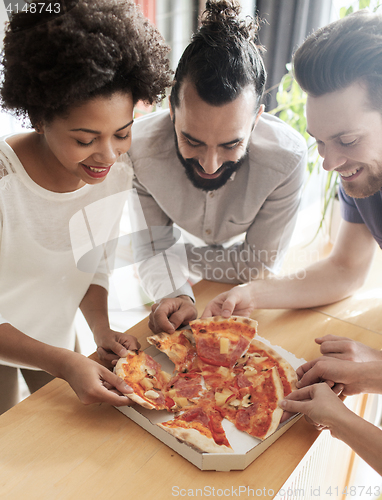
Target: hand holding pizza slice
147,379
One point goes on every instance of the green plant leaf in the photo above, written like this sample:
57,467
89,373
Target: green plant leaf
363,4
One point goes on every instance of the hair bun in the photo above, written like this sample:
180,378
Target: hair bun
218,11
221,20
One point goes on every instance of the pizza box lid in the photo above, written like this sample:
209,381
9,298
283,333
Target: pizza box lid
246,448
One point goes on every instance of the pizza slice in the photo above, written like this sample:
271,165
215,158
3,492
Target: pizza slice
252,406
260,358
147,379
222,341
185,388
178,346
215,377
200,427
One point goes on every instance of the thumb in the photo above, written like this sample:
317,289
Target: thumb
118,383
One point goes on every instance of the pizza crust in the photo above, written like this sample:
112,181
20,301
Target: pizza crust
195,439
278,412
118,369
248,323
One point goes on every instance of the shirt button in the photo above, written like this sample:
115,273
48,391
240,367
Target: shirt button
208,231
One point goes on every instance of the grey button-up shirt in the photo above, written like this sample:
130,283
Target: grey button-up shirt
238,232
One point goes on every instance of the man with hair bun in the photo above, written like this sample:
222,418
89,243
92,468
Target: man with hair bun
340,68
214,164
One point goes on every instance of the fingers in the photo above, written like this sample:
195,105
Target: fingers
320,369
235,301
303,394
114,390
172,313
299,401
338,347
118,347
213,308
337,388
313,376
115,381
107,356
130,342
93,383
184,315
334,348
301,370
160,323
228,306
159,317
325,338
285,416
292,407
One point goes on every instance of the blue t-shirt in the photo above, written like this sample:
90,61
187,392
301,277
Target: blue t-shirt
363,211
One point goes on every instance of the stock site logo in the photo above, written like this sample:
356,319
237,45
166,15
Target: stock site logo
98,247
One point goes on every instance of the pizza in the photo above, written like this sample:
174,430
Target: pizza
252,405
222,371
147,379
185,389
222,341
179,347
260,358
200,427
156,389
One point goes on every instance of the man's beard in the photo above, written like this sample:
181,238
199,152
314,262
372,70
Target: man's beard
192,166
373,183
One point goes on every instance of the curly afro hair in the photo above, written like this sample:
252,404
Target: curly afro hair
52,62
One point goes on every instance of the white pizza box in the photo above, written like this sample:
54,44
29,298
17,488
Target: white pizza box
246,448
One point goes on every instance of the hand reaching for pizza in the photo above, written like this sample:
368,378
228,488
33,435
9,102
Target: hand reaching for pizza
354,377
237,301
168,314
113,345
92,382
320,405
345,348
325,410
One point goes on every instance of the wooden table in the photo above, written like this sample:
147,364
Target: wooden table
54,448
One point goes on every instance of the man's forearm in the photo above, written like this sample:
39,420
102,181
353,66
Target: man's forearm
319,284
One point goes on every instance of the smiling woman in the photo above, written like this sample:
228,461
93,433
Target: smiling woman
75,73
82,146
